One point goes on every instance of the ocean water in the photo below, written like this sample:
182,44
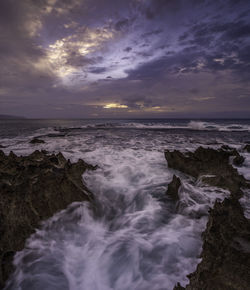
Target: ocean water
134,237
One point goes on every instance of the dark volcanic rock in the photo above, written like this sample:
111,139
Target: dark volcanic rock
226,147
33,188
178,287
37,141
225,254
212,164
238,160
226,250
173,188
247,148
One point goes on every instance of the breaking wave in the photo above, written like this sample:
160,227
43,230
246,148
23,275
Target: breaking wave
191,125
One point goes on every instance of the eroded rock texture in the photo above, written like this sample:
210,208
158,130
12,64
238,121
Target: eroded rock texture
226,250
247,148
211,165
37,141
173,188
225,253
33,188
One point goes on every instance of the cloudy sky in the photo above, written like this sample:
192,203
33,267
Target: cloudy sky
125,58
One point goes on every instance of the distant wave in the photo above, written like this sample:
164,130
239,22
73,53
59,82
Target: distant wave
199,125
192,125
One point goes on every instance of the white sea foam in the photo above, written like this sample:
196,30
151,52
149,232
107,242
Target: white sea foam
165,125
192,125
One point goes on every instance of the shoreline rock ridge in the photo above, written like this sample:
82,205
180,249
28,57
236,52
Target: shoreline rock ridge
225,263
32,189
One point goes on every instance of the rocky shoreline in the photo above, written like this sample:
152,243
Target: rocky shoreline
225,263
33,188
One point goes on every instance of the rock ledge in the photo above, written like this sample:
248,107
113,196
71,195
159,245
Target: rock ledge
225,253
32,189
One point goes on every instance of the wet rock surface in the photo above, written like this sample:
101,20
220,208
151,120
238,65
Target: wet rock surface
173,188
37,141
226,250
178,287
210,164
238,160
225,253
32,189
247,148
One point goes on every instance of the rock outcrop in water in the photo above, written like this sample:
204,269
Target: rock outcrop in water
36,141
226,241
33,188
238,160
173,188
247,148
226,250
211,165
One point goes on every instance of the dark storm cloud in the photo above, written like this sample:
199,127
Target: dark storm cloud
230,31
153,55
121,24
225,45
210,42
77,60
187,60
128,49
150,33
157,7
137,101
194,91
19,49
97,70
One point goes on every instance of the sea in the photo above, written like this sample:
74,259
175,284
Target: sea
135,237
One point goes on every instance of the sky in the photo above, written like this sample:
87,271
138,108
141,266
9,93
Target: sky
125,58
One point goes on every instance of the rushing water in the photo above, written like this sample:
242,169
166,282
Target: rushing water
133,237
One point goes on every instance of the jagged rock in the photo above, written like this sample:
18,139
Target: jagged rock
178,287
212,164
247,148
33,188
225,255
226,250
173,188
37,141
238,160
226,147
